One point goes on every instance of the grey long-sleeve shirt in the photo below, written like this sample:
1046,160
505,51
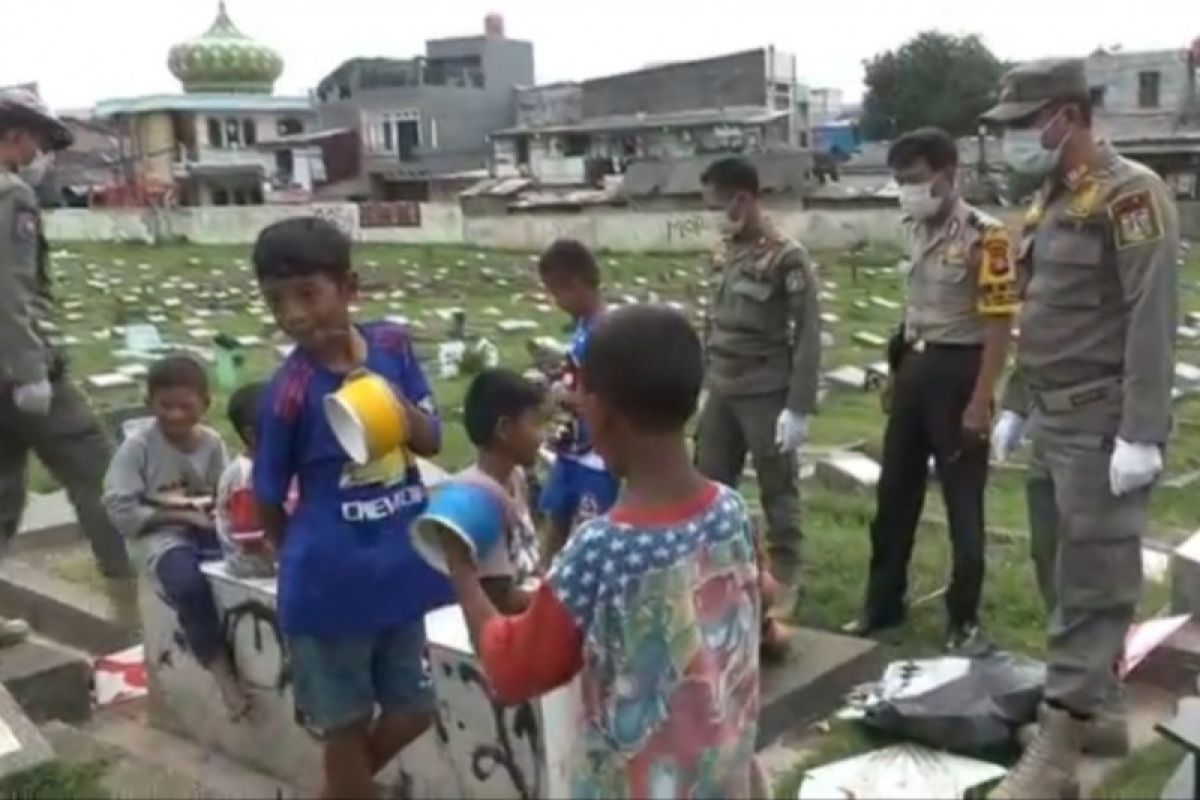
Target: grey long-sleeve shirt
147,464
23,357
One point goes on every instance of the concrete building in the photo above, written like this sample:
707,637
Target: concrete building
202,147
582,133
424,122
1147,103
825,104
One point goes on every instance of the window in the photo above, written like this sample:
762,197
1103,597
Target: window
290,127
233,133
804,138
1148,86
249,132
408,138
522,150
1096,95
214,132
576,145
389,141
239,197
220,197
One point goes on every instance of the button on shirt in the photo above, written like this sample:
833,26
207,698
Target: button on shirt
962,275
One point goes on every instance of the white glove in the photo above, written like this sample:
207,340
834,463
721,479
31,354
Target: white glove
791,429
34,398
1133,466
1006,435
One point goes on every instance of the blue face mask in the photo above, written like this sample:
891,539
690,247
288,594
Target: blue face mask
1025,154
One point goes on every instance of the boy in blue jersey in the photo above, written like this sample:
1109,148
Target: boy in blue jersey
352,592
579,486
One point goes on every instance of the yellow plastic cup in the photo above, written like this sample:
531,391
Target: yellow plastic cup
366,417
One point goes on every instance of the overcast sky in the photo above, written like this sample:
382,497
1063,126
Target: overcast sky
81,51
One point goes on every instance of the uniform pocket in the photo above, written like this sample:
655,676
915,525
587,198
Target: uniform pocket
755,291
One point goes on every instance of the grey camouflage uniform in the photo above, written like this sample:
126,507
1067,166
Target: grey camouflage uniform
1095,362
763,354
68,440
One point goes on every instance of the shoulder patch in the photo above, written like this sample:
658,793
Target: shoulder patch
1135,219
997,253
25,225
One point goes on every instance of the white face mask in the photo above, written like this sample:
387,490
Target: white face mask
35,171
918,201
1024,153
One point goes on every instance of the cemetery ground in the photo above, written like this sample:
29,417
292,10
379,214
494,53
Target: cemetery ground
191,294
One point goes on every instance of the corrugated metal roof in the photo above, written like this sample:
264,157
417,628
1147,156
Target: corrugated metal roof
739,115
201,102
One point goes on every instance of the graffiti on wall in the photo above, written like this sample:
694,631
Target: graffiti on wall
682,229
395,214
497,751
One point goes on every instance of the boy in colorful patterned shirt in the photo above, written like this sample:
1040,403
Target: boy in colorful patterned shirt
654,605
353,593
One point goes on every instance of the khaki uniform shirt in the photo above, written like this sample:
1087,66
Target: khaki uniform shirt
1099,273
24,285
764,326
962,275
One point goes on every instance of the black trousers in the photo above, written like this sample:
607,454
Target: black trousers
930,394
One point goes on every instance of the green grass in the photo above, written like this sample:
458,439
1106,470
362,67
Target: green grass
492,285
57,781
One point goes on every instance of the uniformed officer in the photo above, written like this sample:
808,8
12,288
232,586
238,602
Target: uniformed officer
1095,365
945,361
40,410
763,351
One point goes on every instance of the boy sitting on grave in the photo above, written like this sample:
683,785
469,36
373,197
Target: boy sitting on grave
353,593
503,416
248,553
654,604
579,485
159,493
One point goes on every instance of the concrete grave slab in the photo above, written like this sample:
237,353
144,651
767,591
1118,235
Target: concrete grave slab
133,370
21,744
517,325
877,374
829,318
48,681
868,339
814,682
847,377
1188,333
110,380
48,518
1187,373
848,472
1185,576
861,305
828,340
885,303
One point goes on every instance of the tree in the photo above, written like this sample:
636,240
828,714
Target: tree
933,79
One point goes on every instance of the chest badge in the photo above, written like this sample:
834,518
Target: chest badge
1083,202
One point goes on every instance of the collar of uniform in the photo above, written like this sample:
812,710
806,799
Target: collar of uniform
1099,165
950,227
768,235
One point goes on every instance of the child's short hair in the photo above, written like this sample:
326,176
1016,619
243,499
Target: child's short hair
179,371
301,246
496,394
645,362
570,259
243,408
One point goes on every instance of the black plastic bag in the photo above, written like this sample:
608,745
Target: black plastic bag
960,705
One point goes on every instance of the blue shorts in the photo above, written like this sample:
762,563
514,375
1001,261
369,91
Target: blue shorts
341,682
577,490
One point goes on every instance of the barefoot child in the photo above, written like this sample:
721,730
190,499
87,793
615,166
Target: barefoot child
159,493
654,604
579,486
248,553
353,592
503,416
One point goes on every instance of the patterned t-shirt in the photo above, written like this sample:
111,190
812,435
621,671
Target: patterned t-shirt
659,615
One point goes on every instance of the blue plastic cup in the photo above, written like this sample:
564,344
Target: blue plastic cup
468,511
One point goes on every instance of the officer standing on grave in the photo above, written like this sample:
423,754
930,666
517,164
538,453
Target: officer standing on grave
944,362
1095,366
763,352
41,411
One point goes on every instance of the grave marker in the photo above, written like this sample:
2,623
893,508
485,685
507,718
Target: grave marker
868,339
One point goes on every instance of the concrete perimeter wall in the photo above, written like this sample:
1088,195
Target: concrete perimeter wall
444,223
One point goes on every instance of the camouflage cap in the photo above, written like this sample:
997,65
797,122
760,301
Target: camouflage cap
1030,87
21,107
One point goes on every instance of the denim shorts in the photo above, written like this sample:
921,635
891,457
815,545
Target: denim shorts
344,681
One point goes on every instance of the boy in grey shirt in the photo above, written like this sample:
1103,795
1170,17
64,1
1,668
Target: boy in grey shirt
159,493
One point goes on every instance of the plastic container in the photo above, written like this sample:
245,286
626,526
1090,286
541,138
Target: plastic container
366,417
467,510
